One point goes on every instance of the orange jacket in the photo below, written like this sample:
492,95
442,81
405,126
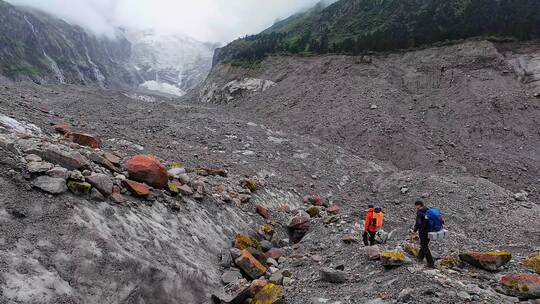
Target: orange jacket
369,220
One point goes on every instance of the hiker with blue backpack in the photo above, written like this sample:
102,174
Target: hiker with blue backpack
429,225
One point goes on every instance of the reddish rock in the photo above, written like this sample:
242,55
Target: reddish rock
299,222
489,260
147,169
262,211
274,253
250,265
84,139
212,171
523,286
100,160
62,128
112,158
285,208
334,209
185,190
313,199
137,188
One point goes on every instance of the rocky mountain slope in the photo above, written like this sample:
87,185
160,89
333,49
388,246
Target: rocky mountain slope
44,49
81,224
359,26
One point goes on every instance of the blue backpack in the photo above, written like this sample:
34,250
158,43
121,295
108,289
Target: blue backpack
434,219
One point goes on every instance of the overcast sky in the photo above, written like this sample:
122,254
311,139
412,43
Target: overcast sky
206,20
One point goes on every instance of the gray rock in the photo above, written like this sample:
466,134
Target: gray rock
59,172
65,157
276,278
39,166
266,245
332,275
521,196
464,295
184,178
102,182
176,172
231,276
50,184
96,196
76,175
226,259
33,158
272,262
373,252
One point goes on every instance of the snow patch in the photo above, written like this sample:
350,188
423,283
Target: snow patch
162,87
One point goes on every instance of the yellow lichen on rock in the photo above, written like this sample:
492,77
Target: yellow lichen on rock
250,184
270,294
533,262
396,255
242,241
450,261
412,249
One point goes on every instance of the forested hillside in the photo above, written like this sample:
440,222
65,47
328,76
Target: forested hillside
357,26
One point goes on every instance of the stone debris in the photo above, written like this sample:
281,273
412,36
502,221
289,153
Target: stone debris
50,185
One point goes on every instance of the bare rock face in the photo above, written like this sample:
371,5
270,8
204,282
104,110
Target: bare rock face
234,89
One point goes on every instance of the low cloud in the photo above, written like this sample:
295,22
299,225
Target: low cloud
206,20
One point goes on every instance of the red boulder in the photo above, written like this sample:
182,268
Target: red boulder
84,139
139,189
147,169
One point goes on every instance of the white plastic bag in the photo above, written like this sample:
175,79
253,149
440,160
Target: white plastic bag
438,235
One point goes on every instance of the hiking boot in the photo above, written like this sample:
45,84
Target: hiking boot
431,266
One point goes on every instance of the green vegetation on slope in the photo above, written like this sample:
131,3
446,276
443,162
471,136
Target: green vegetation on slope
357,26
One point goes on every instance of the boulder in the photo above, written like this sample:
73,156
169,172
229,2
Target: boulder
84,139
185,190
374,252
313,199
147,169
96,196
270,294
175,172
230,276
533,262
79,188
392,258
113,158
62,128
250,265
350,238
276,278
58,172
489,260
50,185
523,286
102,182
100,160
242,241
521,196
412,249
212,171
250,184
39,166
138,189
332,275
274,253
313,211
334,209
266,245
262,211
69,159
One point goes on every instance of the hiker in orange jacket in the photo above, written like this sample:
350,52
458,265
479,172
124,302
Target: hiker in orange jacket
373,222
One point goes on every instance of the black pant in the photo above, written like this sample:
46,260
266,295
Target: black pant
371,236
424,250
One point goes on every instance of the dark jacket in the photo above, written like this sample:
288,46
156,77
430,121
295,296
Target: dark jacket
421,225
